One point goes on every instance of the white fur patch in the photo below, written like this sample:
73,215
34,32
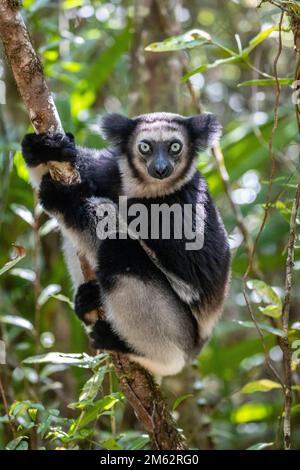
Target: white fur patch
152,187
149,319
36,174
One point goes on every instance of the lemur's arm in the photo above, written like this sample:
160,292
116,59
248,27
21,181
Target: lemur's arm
76,203
98,168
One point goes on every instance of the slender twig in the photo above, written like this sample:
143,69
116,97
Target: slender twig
285,346
286,350
268,203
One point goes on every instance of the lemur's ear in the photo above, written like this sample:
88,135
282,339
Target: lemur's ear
116,128
205,130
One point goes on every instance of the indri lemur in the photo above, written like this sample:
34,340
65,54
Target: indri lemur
161,300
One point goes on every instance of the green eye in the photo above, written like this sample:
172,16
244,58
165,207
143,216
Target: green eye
144,148
176,147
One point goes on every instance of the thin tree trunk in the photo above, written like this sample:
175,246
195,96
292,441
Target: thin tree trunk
136,383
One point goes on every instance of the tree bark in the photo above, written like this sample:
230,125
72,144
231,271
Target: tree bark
137,384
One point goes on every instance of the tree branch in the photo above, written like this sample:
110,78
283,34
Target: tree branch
137,384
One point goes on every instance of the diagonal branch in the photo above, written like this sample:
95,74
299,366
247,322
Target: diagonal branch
137,384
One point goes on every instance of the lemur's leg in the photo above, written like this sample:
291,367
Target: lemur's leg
88,298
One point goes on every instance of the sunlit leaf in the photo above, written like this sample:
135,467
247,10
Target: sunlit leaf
17,321
251,412
267,81
259,38
263,385
96,409
47,227
273,311
20,166
260,446
76,360
68,4
24,213
48,292
23,273
265,292
193,38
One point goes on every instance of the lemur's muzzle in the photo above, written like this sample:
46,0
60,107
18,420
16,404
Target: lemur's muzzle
160,167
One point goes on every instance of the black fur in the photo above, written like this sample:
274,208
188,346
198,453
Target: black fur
103,337
87,298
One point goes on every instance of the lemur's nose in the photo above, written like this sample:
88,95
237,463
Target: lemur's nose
161,170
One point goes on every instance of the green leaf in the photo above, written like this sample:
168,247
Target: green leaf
267,293
63,298
139,442
68,4
48,292
259,38
97,408
20,253
188,40
23,213
92,386
180,399
48,227
249,412
18,444
111,444
267,81
262,326
23,273
260,446
76,360
263,385
17,321
273,311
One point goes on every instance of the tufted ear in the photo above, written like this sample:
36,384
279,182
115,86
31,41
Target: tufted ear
116,128
205,130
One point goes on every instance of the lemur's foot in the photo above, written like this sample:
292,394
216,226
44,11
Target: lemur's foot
103,337
87,300
42,148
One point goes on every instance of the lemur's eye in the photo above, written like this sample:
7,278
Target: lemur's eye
144,147
176,147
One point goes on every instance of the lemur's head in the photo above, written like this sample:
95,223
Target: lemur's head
158,150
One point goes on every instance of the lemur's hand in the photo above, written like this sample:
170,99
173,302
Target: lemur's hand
42,148
87,298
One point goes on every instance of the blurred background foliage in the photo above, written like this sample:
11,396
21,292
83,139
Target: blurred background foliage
95,61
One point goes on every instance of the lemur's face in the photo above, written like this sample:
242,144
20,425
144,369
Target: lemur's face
159,147
158,150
